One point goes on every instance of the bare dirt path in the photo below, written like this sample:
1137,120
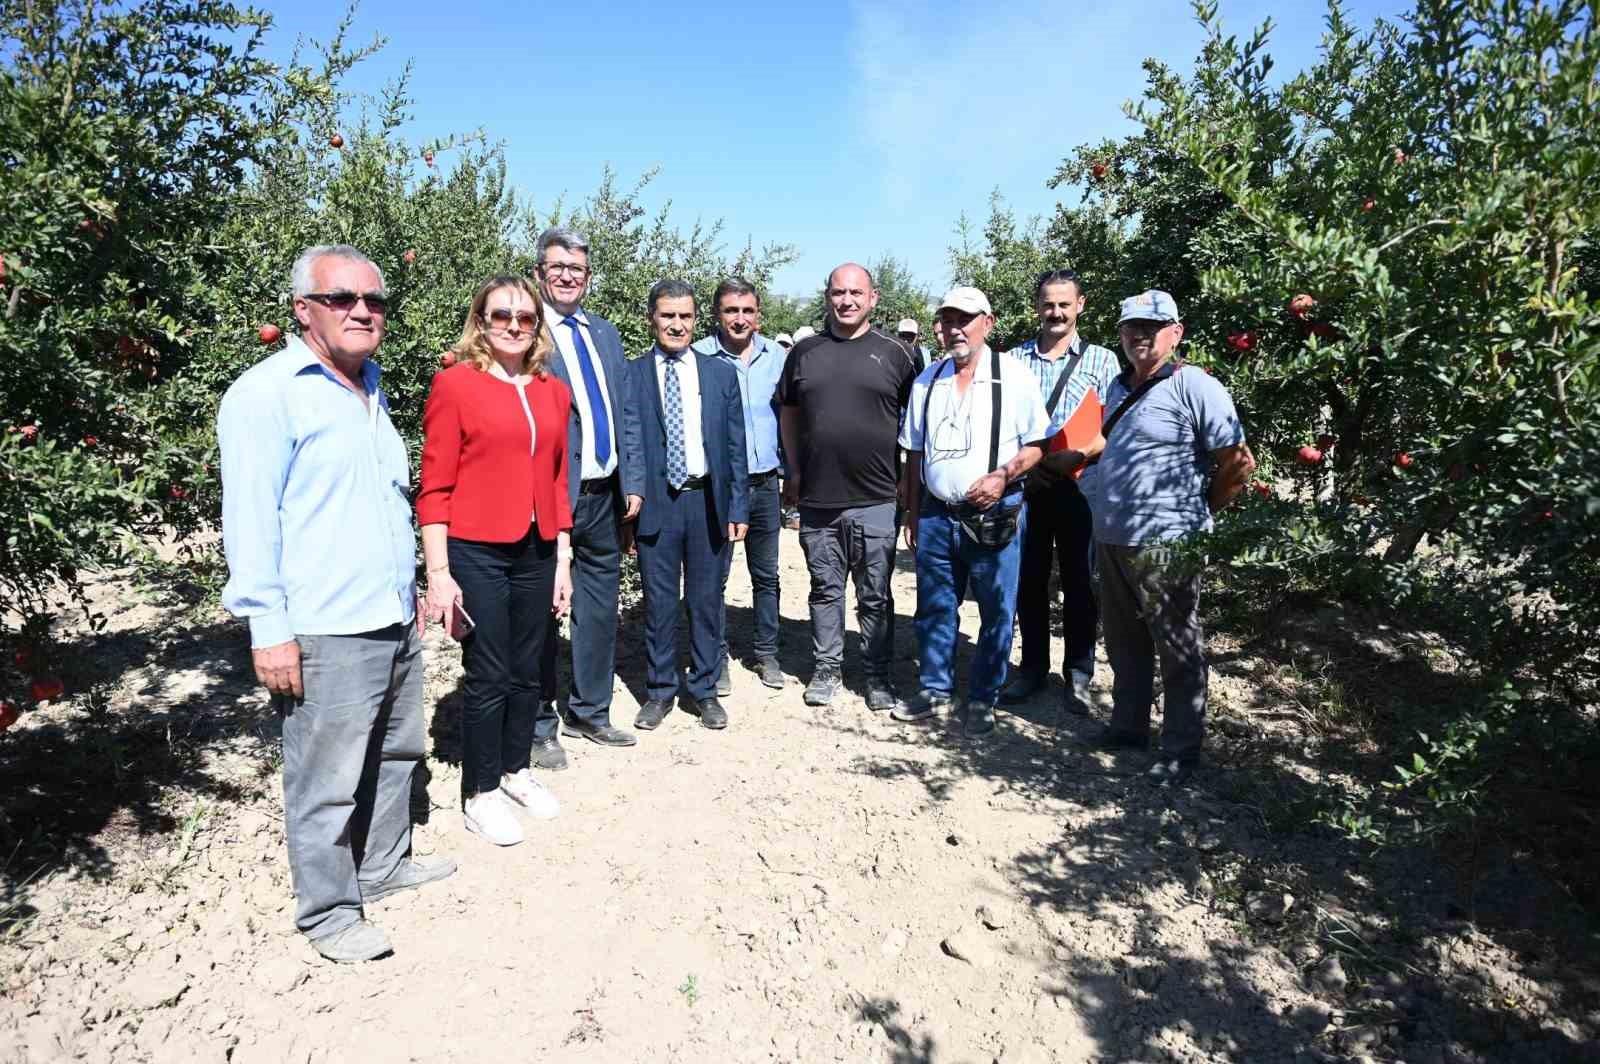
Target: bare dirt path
805,886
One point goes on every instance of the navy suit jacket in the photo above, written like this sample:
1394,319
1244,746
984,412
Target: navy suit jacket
721,429
608,349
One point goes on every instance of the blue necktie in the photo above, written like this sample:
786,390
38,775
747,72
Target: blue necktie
591,384
677,461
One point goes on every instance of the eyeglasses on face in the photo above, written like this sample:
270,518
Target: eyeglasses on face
344,301
501,318
571,269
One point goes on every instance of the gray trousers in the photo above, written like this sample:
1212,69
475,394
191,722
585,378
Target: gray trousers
349,748
857,542
1150,610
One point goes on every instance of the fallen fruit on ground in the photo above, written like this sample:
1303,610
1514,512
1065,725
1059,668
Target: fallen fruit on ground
46,688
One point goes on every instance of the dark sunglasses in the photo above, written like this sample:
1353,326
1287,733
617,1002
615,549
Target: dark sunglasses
344,302
500,318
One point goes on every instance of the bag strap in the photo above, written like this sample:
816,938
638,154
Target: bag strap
1061,381
927,400
994,407
1138,393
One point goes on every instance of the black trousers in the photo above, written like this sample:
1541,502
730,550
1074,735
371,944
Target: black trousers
1060,531
506,588
596,570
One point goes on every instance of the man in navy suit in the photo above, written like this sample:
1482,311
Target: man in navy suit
696,505
605,478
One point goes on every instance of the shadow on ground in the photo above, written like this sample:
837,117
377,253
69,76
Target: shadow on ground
1413,978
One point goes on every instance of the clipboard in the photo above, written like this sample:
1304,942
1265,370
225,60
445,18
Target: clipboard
1080,430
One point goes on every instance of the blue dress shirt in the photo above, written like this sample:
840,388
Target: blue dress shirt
316,507
758,388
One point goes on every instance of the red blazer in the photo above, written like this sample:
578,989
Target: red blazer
477,475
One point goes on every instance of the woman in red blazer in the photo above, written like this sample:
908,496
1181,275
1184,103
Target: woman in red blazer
495,519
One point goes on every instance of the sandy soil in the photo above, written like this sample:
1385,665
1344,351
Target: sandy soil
805,886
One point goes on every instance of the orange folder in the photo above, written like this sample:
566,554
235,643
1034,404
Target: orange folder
1081,428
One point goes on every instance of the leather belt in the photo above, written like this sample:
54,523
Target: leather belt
762,478
699,483
598,486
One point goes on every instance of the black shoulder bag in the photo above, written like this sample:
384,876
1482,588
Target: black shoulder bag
995,527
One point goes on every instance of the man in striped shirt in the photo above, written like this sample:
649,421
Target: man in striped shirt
1059,525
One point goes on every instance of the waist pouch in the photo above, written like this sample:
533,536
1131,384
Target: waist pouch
991,529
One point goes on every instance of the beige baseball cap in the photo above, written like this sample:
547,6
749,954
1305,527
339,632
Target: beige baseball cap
908,325
967,299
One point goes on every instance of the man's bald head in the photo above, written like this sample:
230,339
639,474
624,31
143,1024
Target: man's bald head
851,300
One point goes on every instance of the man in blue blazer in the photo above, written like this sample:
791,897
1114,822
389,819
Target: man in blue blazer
696,505
605,478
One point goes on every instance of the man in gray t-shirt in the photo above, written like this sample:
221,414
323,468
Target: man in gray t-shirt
1174,456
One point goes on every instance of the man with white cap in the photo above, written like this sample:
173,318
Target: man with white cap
908,330
1172,453
784,340
975,424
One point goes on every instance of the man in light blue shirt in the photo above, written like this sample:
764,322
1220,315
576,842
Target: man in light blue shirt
316,524
759,363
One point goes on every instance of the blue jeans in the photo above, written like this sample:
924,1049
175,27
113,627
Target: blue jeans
948,562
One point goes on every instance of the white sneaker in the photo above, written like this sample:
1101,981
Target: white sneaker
489,814
535,797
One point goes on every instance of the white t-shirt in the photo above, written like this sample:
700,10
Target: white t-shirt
955,450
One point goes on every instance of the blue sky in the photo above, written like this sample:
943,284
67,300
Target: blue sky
850,130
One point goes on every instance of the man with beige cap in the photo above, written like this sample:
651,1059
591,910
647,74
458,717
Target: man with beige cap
975,424
909,331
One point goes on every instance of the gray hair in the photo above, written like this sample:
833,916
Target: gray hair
734,286
561,237
300,280
667,289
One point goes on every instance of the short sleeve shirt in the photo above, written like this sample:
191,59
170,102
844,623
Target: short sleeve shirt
850,395
1150,483
955,440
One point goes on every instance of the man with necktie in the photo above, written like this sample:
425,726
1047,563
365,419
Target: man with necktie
697,505
606,485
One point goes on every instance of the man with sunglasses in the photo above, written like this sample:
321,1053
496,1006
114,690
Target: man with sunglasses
316,524
1173,454
606,481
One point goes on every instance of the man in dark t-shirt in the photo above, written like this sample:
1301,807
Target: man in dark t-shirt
842,394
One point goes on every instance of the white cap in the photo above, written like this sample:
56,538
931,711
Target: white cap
908,325
804,332
783,340
967,299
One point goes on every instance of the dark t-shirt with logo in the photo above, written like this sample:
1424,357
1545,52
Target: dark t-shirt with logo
850,395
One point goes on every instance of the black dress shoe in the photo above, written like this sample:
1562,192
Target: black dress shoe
652,713
604,734
712,715
548,755
1021,687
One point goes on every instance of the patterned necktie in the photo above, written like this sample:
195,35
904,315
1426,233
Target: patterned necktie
591,384
677,460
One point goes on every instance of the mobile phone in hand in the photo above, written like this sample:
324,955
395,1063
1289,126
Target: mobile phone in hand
461,624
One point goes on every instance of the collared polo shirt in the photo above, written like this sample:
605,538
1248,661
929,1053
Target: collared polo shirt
316,507
955,440
1150,483
562,334
758,387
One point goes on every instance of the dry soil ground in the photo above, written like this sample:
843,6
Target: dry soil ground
805,886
